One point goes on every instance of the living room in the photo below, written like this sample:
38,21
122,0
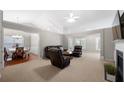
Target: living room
50,31
87,43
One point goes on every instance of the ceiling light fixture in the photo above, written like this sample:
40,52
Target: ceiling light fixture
71,18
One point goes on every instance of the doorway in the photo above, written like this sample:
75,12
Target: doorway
14,38
91,44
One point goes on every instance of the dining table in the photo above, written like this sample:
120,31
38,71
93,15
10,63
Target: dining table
12,50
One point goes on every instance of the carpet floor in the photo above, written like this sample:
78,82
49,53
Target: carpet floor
88,68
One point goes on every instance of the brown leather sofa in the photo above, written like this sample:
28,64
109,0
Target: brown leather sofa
57,58
77,51
46,50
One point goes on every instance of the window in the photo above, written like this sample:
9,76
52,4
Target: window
70,43
98,43
12,41
81,42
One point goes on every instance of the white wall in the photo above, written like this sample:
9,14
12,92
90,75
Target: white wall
91,42
65,41
1,41
48,39
108,44
35,44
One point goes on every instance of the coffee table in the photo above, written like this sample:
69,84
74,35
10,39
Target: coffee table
69,54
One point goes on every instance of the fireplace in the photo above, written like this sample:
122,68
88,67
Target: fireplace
119,65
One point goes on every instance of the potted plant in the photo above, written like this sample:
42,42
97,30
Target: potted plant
110,72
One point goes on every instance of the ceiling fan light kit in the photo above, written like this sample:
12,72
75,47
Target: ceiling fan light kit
71,18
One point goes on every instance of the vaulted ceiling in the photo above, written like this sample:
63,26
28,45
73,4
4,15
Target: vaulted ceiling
55,19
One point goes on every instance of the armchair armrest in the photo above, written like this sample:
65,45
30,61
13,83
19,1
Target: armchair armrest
67,59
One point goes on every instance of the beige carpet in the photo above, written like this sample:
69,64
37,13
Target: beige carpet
87,68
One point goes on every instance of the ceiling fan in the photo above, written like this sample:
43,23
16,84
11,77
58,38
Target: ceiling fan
71,18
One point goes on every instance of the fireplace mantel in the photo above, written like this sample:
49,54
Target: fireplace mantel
119,46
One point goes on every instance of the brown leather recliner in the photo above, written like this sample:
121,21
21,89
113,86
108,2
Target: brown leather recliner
57,58
77,51
47,48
